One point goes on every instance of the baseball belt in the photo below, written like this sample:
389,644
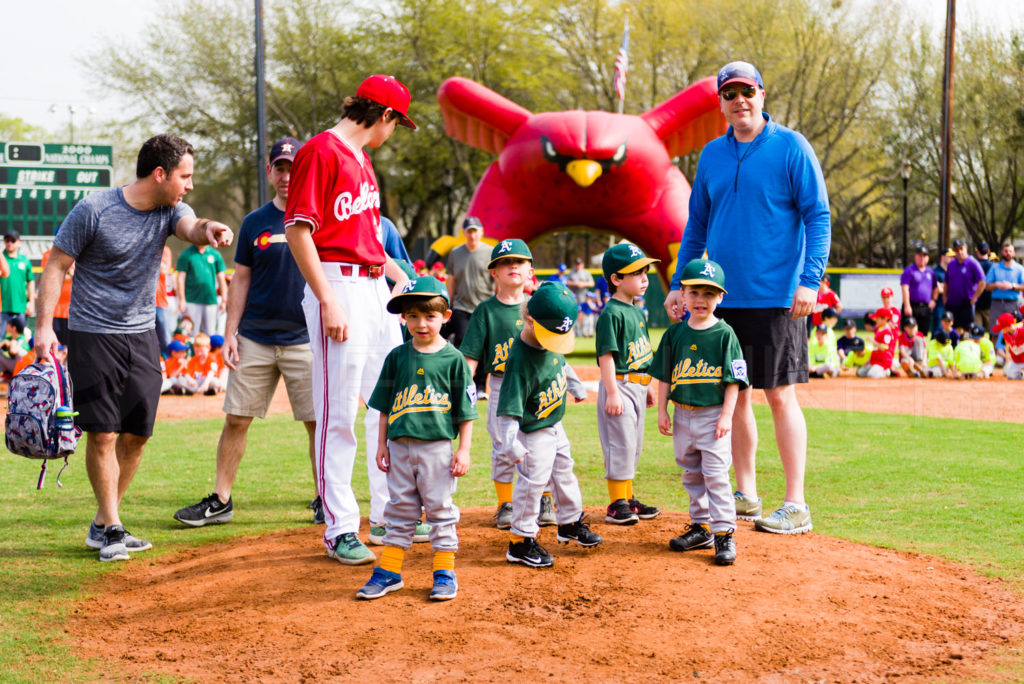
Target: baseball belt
362,271
688,407
638,378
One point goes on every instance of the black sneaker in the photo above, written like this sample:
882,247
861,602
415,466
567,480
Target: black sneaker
209,510
529,552
578,532
643,511
619,513
695,537
114,547
318,511
725,548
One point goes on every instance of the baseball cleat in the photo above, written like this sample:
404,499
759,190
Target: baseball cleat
422,533
725,548
318,511
620,513
503,516
547,512
695,537
529,552
209,510
377,533
381,582
445,586
348,550
746,508
789,519
578,532
643,511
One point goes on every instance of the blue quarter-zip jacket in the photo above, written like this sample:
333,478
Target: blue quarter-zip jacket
761,211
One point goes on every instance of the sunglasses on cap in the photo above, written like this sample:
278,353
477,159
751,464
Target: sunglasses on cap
746,91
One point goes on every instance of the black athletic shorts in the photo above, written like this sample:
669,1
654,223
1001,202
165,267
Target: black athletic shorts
774,345
116,379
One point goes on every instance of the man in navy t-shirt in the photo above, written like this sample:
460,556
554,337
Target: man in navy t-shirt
264,338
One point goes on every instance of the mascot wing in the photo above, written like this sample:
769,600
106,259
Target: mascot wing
478,116
689,120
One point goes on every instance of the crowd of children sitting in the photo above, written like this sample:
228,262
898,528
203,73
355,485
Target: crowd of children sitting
193,365
897,348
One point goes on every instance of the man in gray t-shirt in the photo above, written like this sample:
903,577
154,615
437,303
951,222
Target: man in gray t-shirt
469,283
115,239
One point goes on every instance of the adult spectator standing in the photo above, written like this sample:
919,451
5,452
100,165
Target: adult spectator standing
1005,281
940,282
965,281
469,283
984,303
561,275
200,276
115,239
579,282
332,224
265,338
920,290
17,281
761,184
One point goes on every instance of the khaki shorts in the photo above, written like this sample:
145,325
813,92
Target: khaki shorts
260,367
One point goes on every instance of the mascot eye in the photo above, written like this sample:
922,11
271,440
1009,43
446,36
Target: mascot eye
620,154
549,150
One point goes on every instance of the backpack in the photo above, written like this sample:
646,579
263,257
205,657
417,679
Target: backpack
40,418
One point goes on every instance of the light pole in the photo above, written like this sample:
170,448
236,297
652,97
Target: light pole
449,184
905,175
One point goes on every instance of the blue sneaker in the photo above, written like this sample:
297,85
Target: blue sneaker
445,586
381,582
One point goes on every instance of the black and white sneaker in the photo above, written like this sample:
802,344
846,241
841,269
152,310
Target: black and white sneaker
317,505
695,537
578,532
94,540
725,548
114,548
209,510
620,513
643,511
529,552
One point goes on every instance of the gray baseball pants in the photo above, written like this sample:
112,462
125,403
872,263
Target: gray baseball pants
705,462
622,436
420,477
548,459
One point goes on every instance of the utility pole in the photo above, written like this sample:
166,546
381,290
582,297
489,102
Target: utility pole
946,172
261,108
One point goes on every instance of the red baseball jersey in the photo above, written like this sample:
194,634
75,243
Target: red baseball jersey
895,314
885,348
826,299
333,188
906,341
1014,340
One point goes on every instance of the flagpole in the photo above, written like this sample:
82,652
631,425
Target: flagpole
622,66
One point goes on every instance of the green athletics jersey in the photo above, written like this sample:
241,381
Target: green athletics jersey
200,271
425,395
622,332
492,329
698,363
533,389
14,288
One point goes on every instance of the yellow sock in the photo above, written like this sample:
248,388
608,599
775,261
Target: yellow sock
391,559
547,494
629,490
515,538
504,491
444,560
617,489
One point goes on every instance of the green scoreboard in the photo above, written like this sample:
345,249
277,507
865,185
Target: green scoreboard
40,182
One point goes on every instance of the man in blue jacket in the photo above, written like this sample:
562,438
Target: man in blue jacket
760,208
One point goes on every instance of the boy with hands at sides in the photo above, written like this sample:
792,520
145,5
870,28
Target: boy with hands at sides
624,356
699,366
427,395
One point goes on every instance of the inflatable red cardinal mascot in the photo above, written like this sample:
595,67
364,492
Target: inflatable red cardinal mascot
609,172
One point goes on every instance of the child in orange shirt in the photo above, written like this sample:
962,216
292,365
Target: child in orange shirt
202,373
173,368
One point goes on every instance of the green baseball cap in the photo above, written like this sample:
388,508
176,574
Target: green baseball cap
554,311
623,258
513,248
703,272
423,287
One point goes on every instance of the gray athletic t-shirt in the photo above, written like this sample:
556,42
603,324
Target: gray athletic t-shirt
473,283
117,252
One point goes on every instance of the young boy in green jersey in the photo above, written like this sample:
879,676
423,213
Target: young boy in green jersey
493,327
988,350
624,356
530,409
823,357
699,366
940,355
858,359
967,355
428,397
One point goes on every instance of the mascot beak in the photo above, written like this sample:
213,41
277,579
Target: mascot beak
583,171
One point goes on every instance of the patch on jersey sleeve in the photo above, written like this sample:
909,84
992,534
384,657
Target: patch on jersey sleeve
471,392
739,369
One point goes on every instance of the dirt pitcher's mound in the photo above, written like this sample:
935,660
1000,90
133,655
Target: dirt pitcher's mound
803,608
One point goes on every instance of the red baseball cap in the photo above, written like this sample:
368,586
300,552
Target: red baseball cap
1004,321
883,313
388,91
887,292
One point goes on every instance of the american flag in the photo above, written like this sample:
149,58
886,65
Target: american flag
622,66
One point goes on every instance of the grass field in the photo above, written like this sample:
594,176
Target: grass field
935,486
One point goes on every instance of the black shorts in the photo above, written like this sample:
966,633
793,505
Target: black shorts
116,379
963,314
774,345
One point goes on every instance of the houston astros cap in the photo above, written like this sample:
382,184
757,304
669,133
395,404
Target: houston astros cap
513,248
472,223
959,243
554,310
739,72
977,332
623,258
857,344
703,272
829,312
940,336
285,148
850,323
423,287
922,250
909,322
390,92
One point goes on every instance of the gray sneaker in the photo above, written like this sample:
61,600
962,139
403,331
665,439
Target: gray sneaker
503,516
746,508
788,519
94,540
114,548
350,551
547,512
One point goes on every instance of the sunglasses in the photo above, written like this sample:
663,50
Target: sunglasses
746,91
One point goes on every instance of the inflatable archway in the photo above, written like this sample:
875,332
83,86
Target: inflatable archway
608,172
